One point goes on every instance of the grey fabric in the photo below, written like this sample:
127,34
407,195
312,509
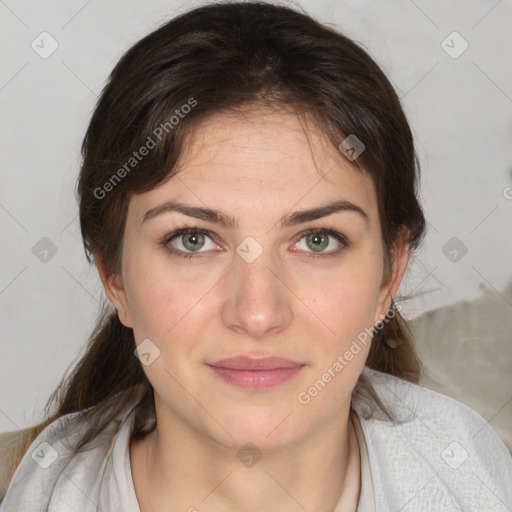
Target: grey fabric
439,455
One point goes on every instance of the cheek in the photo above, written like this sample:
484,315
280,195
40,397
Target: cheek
166,310
348,308
348,299
162,299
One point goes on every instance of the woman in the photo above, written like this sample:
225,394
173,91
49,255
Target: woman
249,196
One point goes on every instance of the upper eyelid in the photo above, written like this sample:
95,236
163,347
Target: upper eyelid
183,231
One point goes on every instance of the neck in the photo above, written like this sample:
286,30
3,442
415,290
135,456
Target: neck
177,468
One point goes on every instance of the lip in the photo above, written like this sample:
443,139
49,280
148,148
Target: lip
256,373
253,363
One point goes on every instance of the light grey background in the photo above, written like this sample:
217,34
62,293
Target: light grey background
460,110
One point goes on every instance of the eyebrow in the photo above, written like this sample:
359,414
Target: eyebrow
218,217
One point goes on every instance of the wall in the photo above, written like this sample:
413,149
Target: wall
460,107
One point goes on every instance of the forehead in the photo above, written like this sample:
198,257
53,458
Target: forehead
256,138
263,158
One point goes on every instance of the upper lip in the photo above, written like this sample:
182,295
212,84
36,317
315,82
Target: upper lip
250,363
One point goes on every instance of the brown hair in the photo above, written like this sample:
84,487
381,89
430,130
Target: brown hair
215,58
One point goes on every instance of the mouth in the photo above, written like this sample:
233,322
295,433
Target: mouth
250,373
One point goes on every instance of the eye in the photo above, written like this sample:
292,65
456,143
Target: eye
319,240
184,242
192,241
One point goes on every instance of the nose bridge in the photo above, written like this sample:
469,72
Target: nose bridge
257,301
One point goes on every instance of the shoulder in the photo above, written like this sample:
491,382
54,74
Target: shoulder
411,403
55,449
436,444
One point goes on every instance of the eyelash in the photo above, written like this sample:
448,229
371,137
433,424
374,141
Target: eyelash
312,231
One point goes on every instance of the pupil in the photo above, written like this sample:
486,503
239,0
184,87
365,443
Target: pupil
319,241
193,241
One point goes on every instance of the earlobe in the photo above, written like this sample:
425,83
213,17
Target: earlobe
399,259
114,289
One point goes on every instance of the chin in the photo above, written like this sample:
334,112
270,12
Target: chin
267,431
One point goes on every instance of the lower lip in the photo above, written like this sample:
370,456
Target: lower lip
256,379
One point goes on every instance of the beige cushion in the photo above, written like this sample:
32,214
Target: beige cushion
466,353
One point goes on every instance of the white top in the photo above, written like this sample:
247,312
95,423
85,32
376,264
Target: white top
366,500
438,455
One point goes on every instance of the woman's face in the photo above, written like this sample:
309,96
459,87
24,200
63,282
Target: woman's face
249,281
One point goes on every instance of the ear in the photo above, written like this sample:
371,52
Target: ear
113,286
399,258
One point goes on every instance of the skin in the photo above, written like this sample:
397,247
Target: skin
291,301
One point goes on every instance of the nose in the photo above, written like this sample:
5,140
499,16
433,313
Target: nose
257,299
